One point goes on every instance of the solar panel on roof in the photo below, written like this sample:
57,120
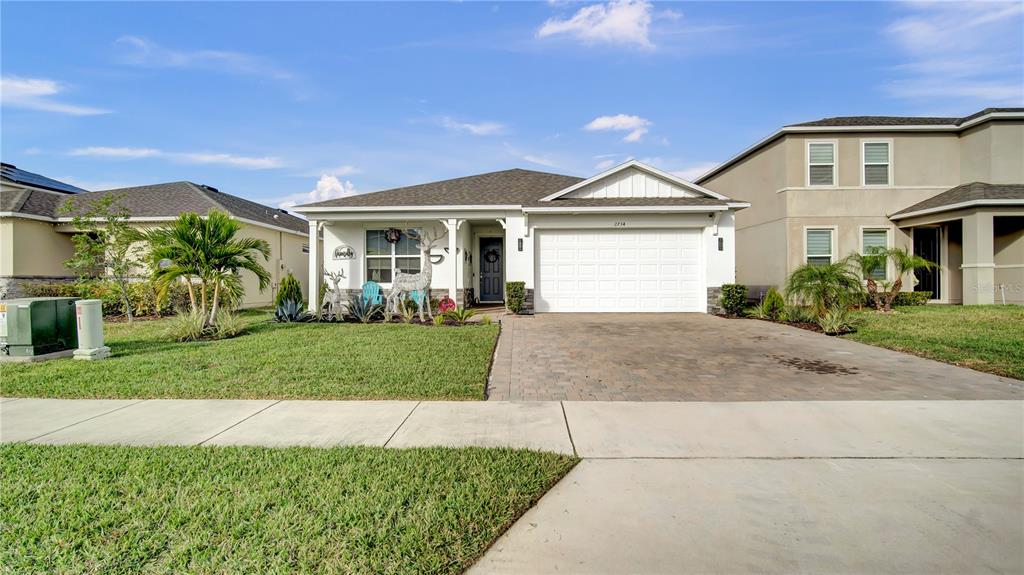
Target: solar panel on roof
20,176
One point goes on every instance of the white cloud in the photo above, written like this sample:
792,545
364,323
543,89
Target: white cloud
635,125
540,160
476,129
617,22
604,164
110,152
232,160
327,188
959,53
144,52
37,94
694,171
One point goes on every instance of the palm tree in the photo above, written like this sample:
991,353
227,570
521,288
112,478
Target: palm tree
868,264
205,251
824,286
904,262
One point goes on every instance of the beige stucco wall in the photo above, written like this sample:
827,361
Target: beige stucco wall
993,153
33,248
285,255
757,254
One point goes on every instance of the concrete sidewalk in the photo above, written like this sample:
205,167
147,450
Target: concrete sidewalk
751,487
988,429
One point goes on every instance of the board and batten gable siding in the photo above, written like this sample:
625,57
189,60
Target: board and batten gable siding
631,183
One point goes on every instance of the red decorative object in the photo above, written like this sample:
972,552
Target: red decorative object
446,304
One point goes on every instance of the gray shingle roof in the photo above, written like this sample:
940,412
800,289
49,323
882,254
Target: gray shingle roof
515,187
966,193
12,173
854,121
507,187
156,201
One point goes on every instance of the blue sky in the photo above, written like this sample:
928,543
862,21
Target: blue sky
294,102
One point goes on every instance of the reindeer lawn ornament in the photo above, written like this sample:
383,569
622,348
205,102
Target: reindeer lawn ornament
405,283
332,299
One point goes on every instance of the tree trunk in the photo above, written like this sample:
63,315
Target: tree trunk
213,306
202,297
191,294
126,300
891,296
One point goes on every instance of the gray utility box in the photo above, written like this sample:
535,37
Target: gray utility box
37,326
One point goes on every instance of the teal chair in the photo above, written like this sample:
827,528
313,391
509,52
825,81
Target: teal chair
371,293
418,297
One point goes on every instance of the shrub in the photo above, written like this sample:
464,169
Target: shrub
515,296
774,304
836,321
407,311
734,298
227,324
290,289
912,298
187,326
486,320
798,314
439,319
461,315
147,299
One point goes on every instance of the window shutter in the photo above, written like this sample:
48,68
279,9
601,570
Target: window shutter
819,242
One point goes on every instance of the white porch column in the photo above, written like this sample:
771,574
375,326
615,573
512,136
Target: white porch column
315,274
979,259
453,253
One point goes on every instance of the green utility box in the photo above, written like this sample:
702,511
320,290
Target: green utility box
38,325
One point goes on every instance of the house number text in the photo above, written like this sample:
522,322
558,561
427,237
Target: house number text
619,224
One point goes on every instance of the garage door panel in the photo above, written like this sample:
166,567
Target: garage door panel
618,270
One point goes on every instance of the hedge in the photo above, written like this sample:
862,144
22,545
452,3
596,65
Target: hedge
734,298
515,295
145,298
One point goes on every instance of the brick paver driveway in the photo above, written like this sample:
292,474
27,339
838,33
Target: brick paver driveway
697,357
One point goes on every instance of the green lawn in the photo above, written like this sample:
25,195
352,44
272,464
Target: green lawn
985,338
110,510
274,361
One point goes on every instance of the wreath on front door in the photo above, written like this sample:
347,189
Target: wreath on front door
491,256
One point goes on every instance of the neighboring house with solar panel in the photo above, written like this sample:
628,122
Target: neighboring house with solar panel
35,232
949,189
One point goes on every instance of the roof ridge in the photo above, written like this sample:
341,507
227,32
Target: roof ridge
203,191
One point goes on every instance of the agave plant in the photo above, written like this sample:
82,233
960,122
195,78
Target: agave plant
363,310
407,311
461,314
291,311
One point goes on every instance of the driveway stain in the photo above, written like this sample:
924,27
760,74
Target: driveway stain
819,366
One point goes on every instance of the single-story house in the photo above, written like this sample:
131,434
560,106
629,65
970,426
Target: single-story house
633,238
36,232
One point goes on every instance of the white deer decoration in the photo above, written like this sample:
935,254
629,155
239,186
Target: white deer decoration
404,283
333,298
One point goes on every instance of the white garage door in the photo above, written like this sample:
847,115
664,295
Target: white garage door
618,270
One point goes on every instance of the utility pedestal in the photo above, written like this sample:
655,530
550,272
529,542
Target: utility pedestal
89,313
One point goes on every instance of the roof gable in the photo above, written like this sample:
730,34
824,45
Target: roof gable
633,179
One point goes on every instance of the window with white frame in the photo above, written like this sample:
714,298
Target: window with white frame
818,246
383,258
821,164
878,238
877,163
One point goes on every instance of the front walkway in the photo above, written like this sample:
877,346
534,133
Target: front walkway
766,487
699,357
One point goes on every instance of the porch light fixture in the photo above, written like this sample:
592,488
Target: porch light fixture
520,244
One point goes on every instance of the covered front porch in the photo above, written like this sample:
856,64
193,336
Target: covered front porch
979,252
470,261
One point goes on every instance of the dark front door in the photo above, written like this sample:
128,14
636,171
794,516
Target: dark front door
491,266
926,245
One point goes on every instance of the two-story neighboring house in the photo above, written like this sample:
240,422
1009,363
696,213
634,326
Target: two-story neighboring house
948,189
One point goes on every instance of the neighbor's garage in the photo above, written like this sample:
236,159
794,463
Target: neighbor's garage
616,270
